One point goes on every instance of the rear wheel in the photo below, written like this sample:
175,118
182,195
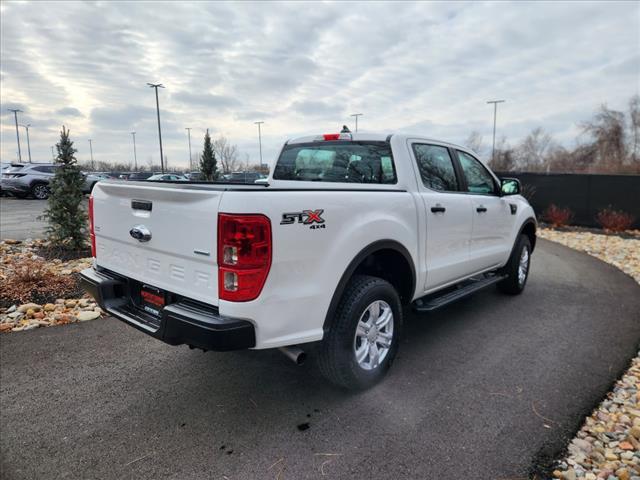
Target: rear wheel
363,340
517,269
40,191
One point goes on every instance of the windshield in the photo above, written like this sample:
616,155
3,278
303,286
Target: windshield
340,161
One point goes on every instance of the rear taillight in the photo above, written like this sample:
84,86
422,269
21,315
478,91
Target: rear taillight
244,255
92,234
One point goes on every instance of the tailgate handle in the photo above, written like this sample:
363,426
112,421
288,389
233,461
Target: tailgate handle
141,205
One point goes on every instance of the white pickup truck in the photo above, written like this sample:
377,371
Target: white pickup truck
347,230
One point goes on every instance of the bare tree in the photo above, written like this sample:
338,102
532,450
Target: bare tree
607,129
532,152
474,142
634,127
504,158
227,154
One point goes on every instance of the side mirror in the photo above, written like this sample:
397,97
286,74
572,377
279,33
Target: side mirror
510,186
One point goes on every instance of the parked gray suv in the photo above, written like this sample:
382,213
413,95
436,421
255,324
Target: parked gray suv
23,179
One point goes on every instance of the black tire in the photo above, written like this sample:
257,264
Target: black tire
40,191
336,354
514,284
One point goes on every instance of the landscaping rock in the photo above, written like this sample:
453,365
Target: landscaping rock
29,306
32,315
83,316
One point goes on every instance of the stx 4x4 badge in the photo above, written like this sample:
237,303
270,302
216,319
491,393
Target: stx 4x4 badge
313,218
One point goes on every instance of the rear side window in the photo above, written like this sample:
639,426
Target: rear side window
479,180
436,167
44,169
341,161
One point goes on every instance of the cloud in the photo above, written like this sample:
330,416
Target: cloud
317,108
69,112
205,100
303,68
6,107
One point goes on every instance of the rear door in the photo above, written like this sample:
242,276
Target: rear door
492,216
448,214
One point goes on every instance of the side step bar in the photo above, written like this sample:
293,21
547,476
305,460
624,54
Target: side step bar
436,300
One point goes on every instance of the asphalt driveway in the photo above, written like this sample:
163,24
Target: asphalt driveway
485,389
19,218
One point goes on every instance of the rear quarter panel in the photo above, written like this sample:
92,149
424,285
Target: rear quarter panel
307,263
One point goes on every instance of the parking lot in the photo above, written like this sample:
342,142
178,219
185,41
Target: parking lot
484,389
20,218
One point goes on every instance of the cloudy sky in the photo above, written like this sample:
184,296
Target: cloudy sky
303,68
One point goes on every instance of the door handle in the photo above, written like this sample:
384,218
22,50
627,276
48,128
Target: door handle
438,209
481,209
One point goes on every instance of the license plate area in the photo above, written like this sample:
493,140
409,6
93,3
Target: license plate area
152,299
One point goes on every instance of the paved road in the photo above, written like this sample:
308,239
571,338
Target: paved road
482,390
19,218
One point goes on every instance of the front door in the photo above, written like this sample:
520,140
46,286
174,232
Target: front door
492,216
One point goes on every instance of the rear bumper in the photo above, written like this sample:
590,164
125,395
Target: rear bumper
182,321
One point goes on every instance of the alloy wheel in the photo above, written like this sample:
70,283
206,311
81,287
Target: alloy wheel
374,335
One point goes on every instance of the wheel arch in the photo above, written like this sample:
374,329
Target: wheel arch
38,181
383,252
528,228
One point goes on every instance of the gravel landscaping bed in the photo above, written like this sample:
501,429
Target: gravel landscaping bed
608,444
622,251
39,291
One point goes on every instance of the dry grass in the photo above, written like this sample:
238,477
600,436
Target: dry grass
33,280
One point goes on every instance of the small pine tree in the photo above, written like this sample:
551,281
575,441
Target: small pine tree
208,162
66,217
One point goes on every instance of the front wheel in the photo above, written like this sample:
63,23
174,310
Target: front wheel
517,269
363,339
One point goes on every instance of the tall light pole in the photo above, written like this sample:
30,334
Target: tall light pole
495,114
15,115
91,150
28,142
260,140
188,129
135,157
356,115
53,157
156,86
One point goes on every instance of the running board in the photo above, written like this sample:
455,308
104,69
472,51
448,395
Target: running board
436,300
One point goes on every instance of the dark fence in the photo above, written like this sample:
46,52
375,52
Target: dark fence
584,194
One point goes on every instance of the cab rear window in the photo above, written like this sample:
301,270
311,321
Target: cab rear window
340,161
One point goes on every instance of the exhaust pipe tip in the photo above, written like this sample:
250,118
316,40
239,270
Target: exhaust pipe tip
295,354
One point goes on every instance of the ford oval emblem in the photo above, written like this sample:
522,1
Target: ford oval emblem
140,233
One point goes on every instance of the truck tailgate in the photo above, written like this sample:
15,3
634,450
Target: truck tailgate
180,256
